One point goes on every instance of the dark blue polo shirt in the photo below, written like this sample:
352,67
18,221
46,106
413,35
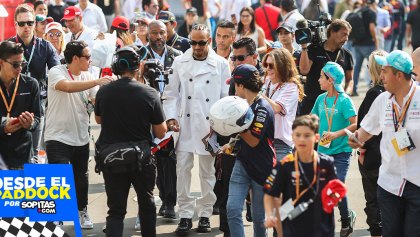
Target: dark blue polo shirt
178,42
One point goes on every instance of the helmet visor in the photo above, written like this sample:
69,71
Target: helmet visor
246,118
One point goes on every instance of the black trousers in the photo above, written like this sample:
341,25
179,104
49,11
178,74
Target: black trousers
370,186
306,106
78,156
227,166
166,177
117,187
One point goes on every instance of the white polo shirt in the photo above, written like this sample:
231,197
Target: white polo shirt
395,171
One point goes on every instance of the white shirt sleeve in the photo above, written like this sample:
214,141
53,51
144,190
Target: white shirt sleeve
371,123
55,75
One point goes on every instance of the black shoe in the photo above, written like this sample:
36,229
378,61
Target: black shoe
248,215
170,213
216,210
161,210
204,225
184,225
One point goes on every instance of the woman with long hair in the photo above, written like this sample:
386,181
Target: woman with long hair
283,91
55,35
141,23
121,25
248,28
369,167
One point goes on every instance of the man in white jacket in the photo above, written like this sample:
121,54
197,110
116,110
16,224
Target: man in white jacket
197,82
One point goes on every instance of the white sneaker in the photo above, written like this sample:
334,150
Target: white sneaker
84,219
137,225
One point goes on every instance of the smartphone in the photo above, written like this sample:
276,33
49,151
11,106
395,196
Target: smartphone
352,136
233,17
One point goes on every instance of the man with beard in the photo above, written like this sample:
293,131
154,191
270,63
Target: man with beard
166,158
314,57
197,82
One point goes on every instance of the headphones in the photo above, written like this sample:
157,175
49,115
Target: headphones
126,59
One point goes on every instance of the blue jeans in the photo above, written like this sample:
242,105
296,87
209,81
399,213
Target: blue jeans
240,182
360,53
282,149
400,215
342,164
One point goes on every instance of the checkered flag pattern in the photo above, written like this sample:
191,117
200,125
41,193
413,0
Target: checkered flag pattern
22,227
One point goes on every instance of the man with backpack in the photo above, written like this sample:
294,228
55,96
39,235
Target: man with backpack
363,36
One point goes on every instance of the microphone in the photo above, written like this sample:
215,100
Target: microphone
302,24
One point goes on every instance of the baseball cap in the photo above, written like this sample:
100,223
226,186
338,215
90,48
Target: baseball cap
244,72
166,16
331,194
41,18
70,13
121,22
141,16
397,59
335,71
285,26
274,45
54,26
191,10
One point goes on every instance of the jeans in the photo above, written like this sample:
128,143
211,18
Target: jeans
400,215
117,187
227,167
37,134
78,156
240,182
370,186
342,164
282,149
360,53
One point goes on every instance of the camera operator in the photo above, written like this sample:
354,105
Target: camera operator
166,158
128,128
314,57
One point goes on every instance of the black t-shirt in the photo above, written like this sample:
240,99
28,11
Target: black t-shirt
57,12
108,9
413,19
369,16
184,30
127,109
258,161
314,222
319,57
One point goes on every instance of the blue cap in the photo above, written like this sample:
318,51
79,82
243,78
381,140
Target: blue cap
244,72
335,71
397,59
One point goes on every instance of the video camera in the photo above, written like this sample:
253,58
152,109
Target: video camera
314,32
153,69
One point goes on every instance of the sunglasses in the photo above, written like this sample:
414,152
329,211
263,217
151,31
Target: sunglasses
56,34
86,56
16,65
239,57
268,65
23,23
201,42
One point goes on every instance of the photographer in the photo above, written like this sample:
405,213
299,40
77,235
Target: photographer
128,128
166,158
314,57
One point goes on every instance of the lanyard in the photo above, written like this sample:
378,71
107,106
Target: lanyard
30,56
71,76
329,119
278,87
9,106
176,38
298,173
76,36
336,58
399,120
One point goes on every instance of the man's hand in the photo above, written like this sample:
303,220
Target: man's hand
330,136
354,142
12,125
103,80
173,125
26,119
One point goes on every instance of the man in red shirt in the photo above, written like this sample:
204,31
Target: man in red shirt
268,17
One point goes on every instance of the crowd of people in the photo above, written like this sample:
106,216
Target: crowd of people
153,104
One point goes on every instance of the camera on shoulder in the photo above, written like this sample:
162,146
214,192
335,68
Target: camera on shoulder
314,32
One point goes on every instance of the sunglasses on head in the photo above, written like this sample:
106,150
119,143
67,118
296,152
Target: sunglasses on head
239,57
23,23
268,65
56,34
16,65
201,42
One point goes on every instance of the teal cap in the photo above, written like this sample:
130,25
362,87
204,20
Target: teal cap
335,71
397,59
